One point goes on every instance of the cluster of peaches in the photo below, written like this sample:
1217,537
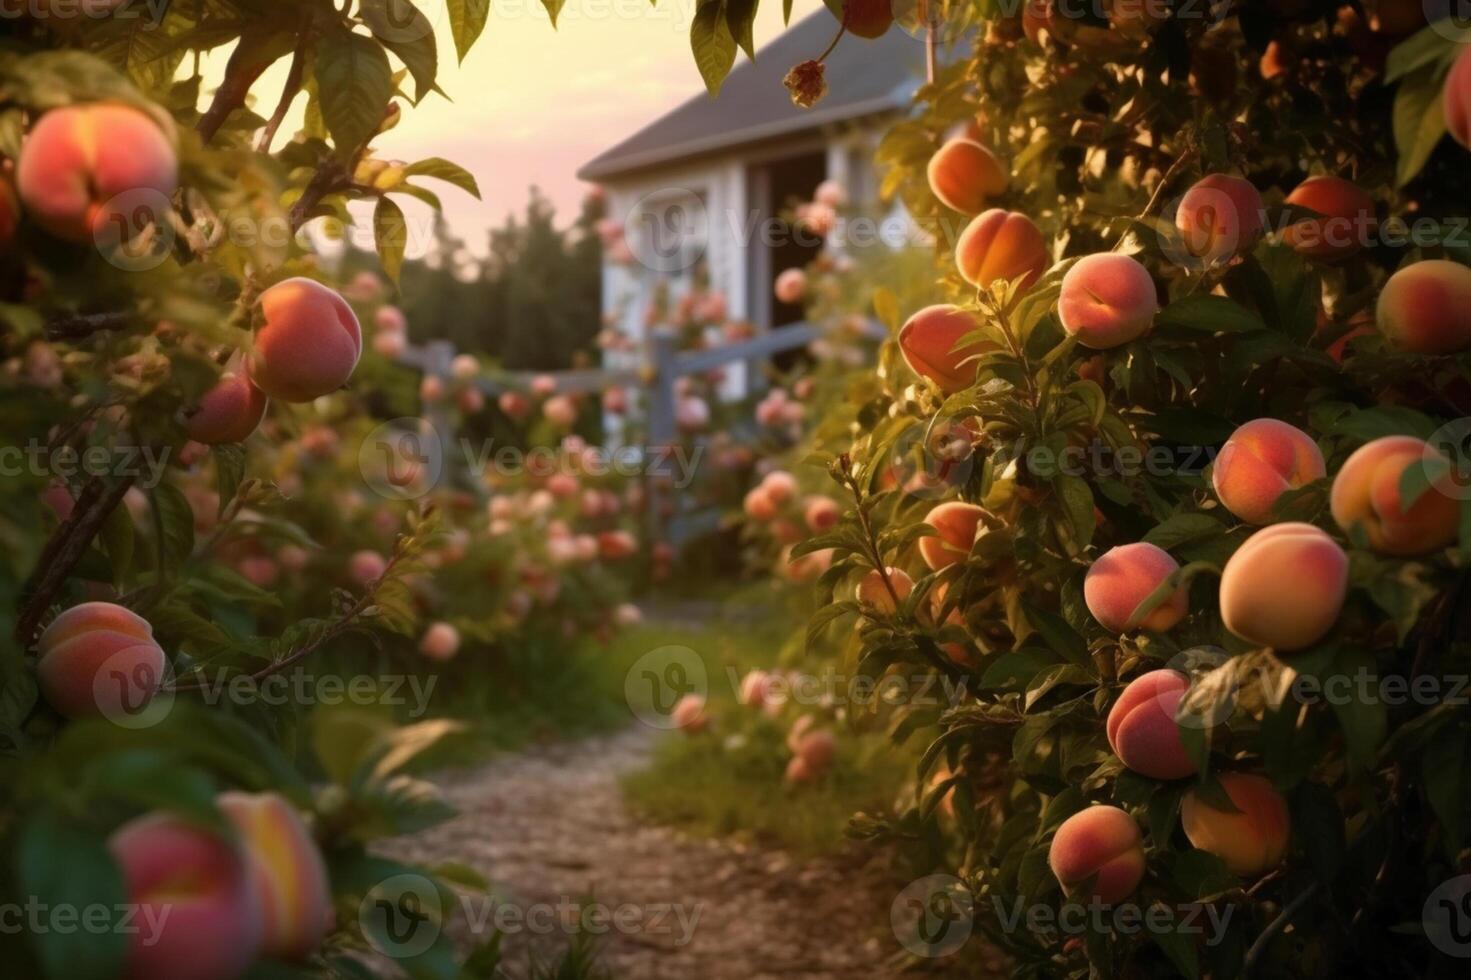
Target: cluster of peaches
777,506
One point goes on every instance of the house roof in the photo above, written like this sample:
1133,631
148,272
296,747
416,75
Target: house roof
864,77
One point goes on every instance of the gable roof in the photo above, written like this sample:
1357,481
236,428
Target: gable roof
864,77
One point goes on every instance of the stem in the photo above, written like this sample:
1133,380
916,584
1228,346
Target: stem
84,325
1278,924
288,96
251,59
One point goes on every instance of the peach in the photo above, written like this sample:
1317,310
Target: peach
1001,245
1101,844
1457,99
561,411
689,714
290,874
59,498
514,404
259,570
758,504
957,525
1366,495
964,174
927,340
800,771
308,344
367,566
1123,577
441,642
1251,842
198,910
1348,216
817,749
822,514
1107,300
1142,730
867,18
1284,587
1220,217
616,545
1425,307
390,319
874,595
781,486
756,689
228,412
99,658
791,286
1261,461
79,159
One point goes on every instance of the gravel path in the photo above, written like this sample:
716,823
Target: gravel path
550,829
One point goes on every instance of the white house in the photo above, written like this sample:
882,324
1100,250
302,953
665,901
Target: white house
701,187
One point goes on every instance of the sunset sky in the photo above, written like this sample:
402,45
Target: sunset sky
532,104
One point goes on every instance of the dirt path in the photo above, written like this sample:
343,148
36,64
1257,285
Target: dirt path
549,828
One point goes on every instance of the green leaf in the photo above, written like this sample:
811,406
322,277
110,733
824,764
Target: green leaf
391,233
117,537
175,519
1212,314
445,170
1430,46
1058,635
354,85
1178,944
406,32
467,22
713,45
554,7
1077,503
1182,529
1386,420
229,471
1419,123
740,18
68,868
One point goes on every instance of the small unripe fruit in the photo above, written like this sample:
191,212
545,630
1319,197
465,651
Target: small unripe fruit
1456,99
791,286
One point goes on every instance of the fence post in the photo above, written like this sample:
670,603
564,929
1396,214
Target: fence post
661,375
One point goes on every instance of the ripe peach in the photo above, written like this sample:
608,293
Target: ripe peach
758,504
927,340
1002,245
958,525
309,343
1123,577
290,874
1348,217
1457,99
822,514
1142,729
799,771
59,498
1284,587
561,411
99,658
1366,494
259,570
1261,461
964,174
817,749
367,566
78,159
1251,842
514,404
689,714
1102,844
616,545
1220,217
1425,307
791,286
780,485
756,689
441,641
390,319
872,594
1107,300
228,412
197,891
866,18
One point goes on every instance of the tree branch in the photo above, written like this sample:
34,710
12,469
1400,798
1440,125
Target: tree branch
288,96
83,325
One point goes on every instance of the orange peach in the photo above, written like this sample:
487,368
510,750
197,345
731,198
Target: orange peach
873,594
963,174
791,286
1220,217
309,343
1347,218
1002,245
957,524
1101,844
1250,842
1142,729
927,340
1123,577
817,749
367,566
441,641
197,906
80,163
228,412
689,714
1107,300
1366,496
1284,587
821,514
868,19
758,504
798,771
1457,99
1261,461
1425,307
290,874
99,658
781,486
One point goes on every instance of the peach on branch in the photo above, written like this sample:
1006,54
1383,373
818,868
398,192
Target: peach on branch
1456,98
99,658
86,171
198,892
963,174
1284,587
873,594
1107,300
441,641
1252,841
1347,218
957,525
1122,578
799,771
1261,461
781,486
1220,217
927,340
1366,496
1142,730
1425,307
1001,245
864,18
228,412
1099,844
817,749
367,566
290,875
791,286
821,514
616,545
308,344
758,504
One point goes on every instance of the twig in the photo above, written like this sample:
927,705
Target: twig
1278,924
288,96
84,325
